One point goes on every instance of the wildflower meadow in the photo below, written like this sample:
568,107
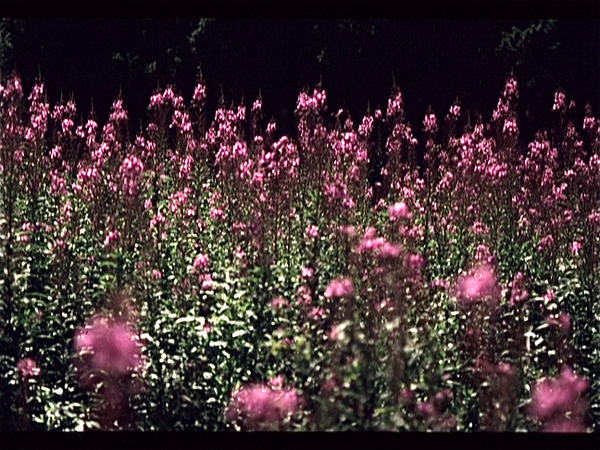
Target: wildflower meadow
203,271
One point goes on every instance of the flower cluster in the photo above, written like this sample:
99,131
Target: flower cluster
558,403
262,407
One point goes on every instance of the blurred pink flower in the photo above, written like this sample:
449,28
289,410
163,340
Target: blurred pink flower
109,346
340,287
307,272
279,303
312,231
157,274
259,405
554,401
399,211
201,262
479,284
28,368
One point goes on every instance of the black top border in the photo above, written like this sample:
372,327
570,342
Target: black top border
298,9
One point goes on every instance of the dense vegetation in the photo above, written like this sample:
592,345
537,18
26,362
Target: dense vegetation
219,275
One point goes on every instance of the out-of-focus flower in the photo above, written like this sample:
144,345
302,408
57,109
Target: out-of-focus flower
108,346
28,368
312,231
201,262
259,406
307,272
399,211
157,274
558,403
518,291
340,287
430,123
279,303
478,285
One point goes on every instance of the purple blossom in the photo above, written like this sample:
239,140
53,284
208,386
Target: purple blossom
28,368
555,400
339,288
201,262
108,346
480,284
399,211
260,405
559,101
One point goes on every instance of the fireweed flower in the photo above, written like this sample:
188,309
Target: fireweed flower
399,211
261,406
480,284
279,303
28,368
339,288
108,346
312,231
454,111
558,403
559,101
307,272
201,262
518,291
510,127
430,123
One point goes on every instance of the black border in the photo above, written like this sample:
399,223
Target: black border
297,9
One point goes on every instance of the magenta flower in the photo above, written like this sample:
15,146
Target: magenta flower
108,346
518,291
558,402
201,262
478,285
312,231
559,101
259,405
279,303
339,288
399,211
430,123
307,272
28,368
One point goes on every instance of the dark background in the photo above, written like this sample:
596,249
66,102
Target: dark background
434,52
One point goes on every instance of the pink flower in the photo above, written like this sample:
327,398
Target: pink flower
259,405
307,272
279,303
157,274
108,346
28,368
340,287
276,382
206,281
430,123
478,285
317,312
553,399
312,231
455,111
399,211
518,291
201,262
217,214
559,101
